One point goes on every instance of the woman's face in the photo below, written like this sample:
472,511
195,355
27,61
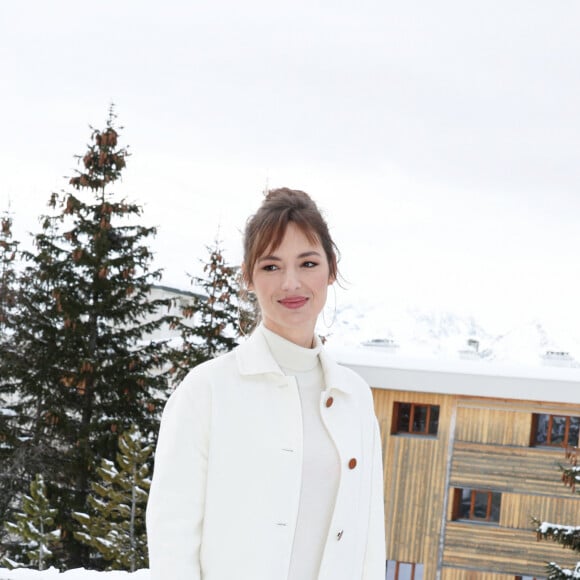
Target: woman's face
291,284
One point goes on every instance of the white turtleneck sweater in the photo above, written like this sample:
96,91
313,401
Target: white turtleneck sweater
320,467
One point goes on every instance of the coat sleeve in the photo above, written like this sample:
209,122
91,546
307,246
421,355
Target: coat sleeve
175,509
375,558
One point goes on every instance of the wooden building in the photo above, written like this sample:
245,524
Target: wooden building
471,454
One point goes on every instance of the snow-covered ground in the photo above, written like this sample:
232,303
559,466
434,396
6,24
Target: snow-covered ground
78,574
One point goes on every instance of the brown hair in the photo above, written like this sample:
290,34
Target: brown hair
266,228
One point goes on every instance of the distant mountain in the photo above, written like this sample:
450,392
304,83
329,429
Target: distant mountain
417,333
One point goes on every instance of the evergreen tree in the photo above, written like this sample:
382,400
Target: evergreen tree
116,528
566,535
216,317
30,371
34,526
8,300
8,289
84,366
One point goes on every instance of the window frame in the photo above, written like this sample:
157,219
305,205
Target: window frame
395,426
417,569
471,517
549,431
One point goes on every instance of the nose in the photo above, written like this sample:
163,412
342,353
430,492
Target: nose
291,280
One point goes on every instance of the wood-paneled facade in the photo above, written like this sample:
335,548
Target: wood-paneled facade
482,443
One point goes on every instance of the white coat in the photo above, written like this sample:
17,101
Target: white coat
224,497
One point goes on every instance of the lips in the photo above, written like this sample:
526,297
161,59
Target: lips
293,302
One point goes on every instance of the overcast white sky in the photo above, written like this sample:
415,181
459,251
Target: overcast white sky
442,139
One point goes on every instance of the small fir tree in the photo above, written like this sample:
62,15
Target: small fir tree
116,526
34,526
214,319
566,535
81,357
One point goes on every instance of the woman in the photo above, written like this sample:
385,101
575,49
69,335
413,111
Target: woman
268,465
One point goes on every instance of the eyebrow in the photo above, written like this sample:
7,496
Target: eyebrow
272,257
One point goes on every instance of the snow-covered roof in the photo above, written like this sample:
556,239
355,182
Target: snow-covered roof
462,377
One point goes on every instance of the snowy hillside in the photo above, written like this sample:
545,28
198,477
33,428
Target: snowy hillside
423,334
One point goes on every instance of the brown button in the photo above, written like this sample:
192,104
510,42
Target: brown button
329,401
352,463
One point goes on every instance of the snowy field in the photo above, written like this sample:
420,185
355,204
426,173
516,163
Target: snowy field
78,574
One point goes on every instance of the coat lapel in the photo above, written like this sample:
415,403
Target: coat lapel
335,376
255,358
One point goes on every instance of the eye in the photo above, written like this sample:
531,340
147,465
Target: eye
309,264
270,268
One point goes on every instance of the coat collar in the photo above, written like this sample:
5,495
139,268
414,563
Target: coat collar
255,358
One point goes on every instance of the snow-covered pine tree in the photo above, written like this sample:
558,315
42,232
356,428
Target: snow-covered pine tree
85,367
34,526
566,535
8,299
115,526
29,371
215,317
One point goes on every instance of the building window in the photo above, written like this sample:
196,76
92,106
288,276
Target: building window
555,430
476,505
415,419
404,571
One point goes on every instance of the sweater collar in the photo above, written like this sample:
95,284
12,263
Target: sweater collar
291,356
254,357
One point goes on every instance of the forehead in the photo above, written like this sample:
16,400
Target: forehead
294,237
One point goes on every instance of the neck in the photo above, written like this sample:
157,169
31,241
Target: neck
301,337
